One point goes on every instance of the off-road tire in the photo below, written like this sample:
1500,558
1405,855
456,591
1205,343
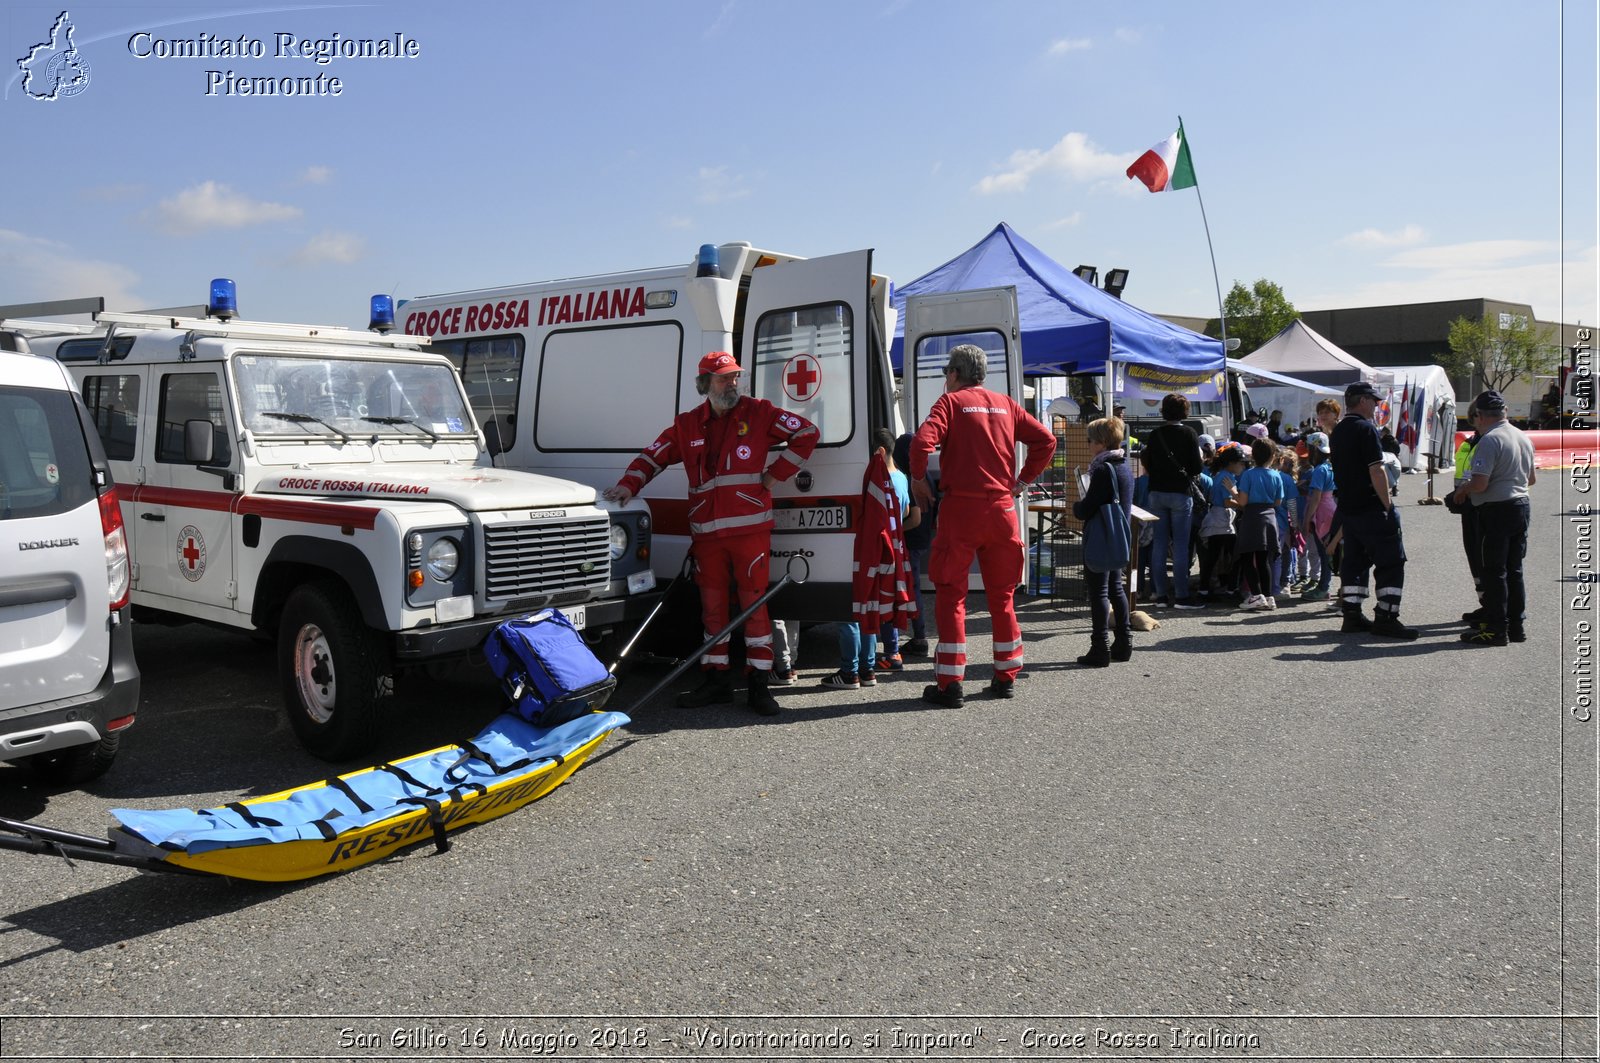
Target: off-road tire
336,672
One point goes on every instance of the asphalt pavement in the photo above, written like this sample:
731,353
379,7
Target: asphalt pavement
1259,838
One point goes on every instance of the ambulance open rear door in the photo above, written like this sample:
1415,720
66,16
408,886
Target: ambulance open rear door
985,317
807,346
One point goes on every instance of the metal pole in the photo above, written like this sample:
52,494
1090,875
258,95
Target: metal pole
683,665
1222,319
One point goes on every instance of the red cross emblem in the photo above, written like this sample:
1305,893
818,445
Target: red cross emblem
191,553
800,377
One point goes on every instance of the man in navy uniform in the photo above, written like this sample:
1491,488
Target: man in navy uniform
1373,547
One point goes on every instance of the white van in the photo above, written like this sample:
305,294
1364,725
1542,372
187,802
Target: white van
69,686
574,377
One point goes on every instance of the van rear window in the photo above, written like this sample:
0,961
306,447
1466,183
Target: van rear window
491,371
44,459
803,363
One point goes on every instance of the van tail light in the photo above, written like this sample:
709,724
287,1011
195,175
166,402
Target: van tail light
117,581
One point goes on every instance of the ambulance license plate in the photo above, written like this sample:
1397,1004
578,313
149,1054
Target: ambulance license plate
811,518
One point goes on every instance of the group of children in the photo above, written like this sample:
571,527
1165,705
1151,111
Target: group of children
1265,527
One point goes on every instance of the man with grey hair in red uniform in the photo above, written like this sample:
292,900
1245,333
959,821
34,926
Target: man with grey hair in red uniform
723,444
977,431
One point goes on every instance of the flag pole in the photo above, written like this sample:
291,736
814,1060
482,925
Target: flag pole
1222,318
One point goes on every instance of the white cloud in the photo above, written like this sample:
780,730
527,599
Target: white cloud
1477,254
1558,286
724,16
210,205
330,246
717,185
316,175
1062,223
1070,44
33,269
677,221
1410,234
1074,156
1127,35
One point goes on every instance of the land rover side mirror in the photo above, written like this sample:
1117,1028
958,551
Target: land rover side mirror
198,441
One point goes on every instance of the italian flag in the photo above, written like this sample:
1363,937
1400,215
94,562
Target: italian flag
1167,165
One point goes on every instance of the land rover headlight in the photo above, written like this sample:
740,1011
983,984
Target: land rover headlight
444,556
619,541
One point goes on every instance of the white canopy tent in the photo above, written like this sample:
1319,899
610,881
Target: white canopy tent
1312,361
1299,352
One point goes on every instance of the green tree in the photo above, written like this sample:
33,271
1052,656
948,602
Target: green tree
1254,314
1497,353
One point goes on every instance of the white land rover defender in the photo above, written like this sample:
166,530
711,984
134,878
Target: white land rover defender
331,487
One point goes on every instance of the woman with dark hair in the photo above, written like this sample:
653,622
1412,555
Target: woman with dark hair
1172,460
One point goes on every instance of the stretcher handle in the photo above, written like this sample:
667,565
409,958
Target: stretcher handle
665,595
683,665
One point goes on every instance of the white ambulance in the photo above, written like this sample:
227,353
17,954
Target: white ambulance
574,377
331,488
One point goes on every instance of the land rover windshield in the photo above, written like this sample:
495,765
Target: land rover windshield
291,395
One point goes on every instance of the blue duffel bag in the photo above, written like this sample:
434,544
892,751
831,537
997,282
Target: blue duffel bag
545,669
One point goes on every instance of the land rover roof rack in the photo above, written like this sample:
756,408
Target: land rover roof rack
263,330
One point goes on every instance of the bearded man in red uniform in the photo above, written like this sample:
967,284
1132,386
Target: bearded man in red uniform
977,432
723,444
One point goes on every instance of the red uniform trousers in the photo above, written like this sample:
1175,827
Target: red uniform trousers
987,528
739,563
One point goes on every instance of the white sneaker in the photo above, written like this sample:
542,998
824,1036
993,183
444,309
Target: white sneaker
1272,603
1253,604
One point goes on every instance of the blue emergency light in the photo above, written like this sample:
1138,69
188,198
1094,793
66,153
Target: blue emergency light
382,314
708,263
224,302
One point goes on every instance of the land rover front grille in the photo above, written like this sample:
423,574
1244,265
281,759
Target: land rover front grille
535,559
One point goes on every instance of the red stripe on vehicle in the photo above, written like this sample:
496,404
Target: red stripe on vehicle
363,517
220,501
294,510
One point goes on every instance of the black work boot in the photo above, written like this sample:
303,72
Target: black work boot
1389,626
1122,647
758,698
716,688
1354,624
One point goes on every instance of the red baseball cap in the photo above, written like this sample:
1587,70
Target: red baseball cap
718,362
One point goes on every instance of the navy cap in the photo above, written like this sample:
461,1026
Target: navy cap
1361,390
1490,400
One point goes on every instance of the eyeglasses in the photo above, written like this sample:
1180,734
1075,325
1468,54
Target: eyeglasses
950,369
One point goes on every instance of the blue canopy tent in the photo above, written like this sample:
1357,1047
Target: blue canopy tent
1068,326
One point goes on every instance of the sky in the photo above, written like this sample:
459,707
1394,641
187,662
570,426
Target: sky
1356,153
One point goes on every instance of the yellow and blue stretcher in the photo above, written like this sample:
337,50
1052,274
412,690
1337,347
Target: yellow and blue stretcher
346,821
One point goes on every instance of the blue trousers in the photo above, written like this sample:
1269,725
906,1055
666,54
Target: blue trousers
1176,512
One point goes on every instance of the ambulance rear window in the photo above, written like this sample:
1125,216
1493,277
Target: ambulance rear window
491,370
803,363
